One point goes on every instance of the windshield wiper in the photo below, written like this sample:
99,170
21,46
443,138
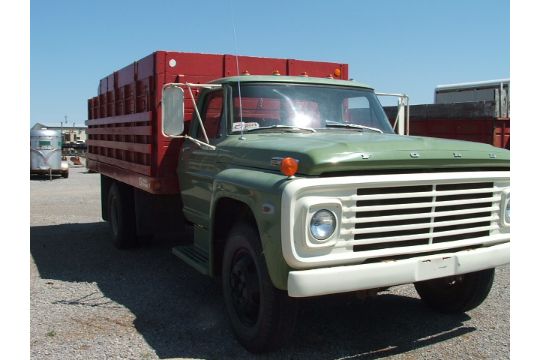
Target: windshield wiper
287,127
351,126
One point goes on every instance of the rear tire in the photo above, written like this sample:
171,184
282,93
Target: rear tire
262,317
456,294
65,174
121,217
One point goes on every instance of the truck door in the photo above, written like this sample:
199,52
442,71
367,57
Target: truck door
198,166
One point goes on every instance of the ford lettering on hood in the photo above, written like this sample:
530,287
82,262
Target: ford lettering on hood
345,151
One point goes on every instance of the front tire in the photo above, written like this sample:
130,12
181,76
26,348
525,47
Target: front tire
262,317
121,217
456,294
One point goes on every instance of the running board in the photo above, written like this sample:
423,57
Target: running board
194,256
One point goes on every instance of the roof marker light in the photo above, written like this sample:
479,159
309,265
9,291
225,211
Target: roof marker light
337,72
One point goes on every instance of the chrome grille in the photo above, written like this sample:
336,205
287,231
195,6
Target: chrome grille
398,216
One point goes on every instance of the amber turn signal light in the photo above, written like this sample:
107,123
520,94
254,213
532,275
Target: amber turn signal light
289,166
337,72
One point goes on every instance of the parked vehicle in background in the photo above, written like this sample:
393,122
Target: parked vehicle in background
46,153
478,111
294,184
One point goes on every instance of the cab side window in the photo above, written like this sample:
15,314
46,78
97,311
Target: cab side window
211,115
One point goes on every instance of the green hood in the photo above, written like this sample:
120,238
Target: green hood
340,151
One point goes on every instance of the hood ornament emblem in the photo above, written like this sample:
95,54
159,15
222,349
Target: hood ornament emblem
457,155
365,156
276,161
415,155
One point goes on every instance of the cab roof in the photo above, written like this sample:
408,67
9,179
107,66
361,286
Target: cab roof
290,79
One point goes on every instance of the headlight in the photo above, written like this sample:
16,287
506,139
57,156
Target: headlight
507,211
323,224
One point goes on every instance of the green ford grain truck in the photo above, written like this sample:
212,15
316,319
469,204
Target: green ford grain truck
294,185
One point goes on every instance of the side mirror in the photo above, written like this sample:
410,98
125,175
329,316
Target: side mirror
172,111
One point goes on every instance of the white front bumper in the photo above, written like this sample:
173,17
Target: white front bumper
340,279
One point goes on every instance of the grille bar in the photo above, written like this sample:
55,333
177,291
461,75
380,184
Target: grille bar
426,235
421,194
353,220
426,225
413,205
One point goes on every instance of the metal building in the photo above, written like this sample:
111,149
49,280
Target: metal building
497,91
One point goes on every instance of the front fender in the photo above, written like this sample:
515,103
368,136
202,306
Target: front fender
261,192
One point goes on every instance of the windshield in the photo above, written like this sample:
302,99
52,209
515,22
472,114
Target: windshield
300,107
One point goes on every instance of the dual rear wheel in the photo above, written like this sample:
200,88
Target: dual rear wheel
121,217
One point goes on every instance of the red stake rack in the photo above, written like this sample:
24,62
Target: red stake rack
124,119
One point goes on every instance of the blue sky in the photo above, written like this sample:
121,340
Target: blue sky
396,46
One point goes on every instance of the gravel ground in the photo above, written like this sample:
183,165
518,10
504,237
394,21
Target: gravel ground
91,301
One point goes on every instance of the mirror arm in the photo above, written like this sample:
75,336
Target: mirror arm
403,103
200,143
197,113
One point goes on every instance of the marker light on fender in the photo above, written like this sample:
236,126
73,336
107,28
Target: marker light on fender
289,166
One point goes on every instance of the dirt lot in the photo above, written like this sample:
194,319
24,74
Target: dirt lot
91,301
